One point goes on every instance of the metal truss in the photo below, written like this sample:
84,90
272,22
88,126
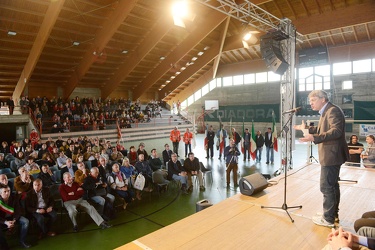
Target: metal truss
249,14
260,19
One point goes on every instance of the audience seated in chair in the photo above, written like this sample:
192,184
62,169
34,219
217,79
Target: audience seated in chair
72,196
192,167
120,185
11,215
40,204
177,172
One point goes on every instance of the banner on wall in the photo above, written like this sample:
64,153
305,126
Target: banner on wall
247,113
364,110
366,129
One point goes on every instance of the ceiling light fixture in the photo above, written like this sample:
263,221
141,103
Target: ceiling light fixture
12,33
75,43
162,58
124,51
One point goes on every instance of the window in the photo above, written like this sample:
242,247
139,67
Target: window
212,84
227,81
272,77
205,89
344,68
347,85
249,79
190,100
314,78
197,95
261,77
238,80
362,66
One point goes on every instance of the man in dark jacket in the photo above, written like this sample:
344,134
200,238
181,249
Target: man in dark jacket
96,190
176,172
192,167
259,141
10,214
40,203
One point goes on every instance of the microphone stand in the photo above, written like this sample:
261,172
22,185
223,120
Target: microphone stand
312,158
285,206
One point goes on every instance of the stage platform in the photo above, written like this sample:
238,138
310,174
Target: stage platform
239,222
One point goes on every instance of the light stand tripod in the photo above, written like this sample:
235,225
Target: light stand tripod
285,162
311,157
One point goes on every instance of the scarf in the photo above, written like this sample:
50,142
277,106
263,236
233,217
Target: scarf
119,176
6,208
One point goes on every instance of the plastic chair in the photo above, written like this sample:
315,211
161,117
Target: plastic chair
5,170
10,175
205,171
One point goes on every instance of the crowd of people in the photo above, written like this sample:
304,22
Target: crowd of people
56,115
88,172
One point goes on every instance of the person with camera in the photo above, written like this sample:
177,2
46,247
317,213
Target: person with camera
231,154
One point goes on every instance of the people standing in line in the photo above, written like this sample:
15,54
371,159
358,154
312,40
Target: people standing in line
355,151
246,145
368,157
175,138
231,154
268,141
221,135
188,137
259,141
210,142
332,149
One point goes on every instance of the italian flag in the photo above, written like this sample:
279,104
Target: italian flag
253,145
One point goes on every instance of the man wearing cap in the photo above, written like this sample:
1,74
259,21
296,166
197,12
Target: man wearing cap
141,150
175,138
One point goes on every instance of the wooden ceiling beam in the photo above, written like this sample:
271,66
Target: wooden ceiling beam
195,37
336,19
160,29
202,61
49,20
102,37
222,39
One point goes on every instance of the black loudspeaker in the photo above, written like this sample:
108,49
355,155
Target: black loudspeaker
272,54
252,184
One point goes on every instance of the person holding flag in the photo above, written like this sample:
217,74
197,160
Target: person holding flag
268,141
259,140
210,137
246,137
221,136
253,147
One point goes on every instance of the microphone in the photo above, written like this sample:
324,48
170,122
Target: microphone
292,110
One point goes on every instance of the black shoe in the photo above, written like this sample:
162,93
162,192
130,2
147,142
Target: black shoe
207,157
24,244
105,225
219,158
75,228
267,162
202,188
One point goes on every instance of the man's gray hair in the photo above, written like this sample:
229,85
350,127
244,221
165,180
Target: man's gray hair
319,94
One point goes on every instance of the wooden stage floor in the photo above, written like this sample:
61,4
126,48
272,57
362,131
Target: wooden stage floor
239,222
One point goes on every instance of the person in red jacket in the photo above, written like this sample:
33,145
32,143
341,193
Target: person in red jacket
72,195
175,138
188,137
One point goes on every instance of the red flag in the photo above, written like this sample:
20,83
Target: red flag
119,135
